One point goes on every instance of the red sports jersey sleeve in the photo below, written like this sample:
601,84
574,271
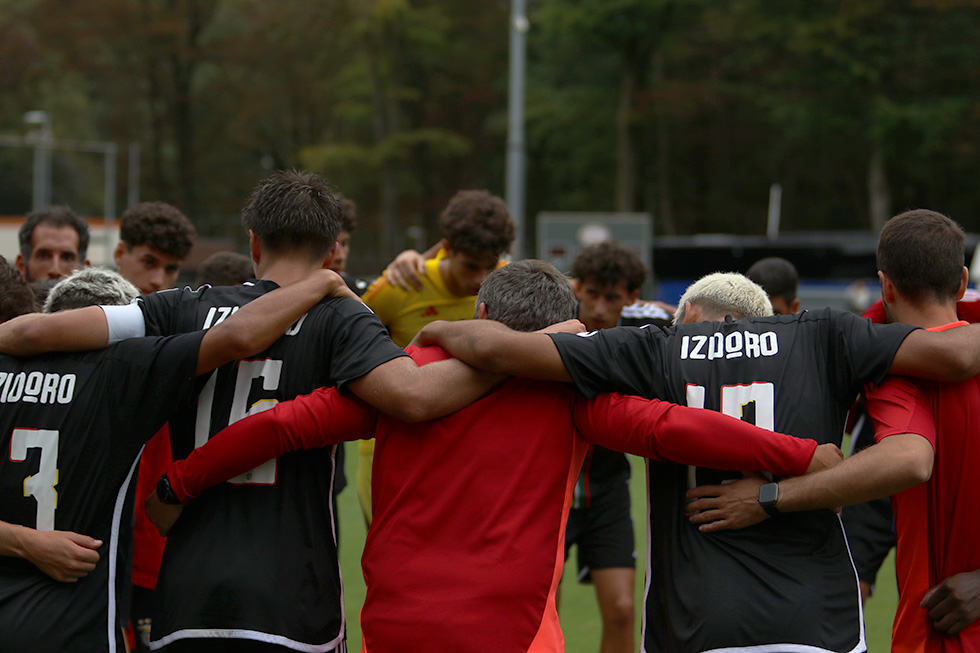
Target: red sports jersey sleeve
898,406
321,418
691,436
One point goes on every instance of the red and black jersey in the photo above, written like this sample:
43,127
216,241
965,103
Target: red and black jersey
256,558
71,429
465,549
787,581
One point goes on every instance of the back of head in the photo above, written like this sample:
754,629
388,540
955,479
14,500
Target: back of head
225,269
16,296
55,216
477,224
777,276
348,213
291,211
158,225
725,293
527,295
90,287
923,252
608,264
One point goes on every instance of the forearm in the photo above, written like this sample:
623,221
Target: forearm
493,347
664,431
37,333
258,324
319,419
896,463
951,355
12,540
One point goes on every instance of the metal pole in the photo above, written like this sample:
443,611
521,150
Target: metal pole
775,206
46,142
133,196
109,202
515,125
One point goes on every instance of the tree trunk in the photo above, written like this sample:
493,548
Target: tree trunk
665,208
879,197
625,155
383,115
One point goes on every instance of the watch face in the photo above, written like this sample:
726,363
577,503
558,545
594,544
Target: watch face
768,494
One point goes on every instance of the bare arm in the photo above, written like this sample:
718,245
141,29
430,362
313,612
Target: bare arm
491,346
894,464
407,269
62,555
258,324
37,333
951,355
414,394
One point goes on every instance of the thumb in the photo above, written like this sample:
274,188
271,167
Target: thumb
83,540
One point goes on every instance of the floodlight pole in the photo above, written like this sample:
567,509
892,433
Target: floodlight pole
515,123
41,195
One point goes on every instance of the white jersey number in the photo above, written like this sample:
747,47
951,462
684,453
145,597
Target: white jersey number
40,485
267,370
734,399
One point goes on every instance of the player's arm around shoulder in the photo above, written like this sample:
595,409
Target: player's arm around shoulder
261,322
950,355
79,329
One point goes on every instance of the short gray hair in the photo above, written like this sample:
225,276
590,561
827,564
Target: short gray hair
528,295
725,293
90,287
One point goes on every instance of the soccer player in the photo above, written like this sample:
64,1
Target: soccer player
465,552
926,451
53,243
225,269
779,278
787,582
73,426
269,533
607,281
17,297
477,230
154,239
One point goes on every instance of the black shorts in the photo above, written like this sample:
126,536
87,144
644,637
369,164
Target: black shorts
603,533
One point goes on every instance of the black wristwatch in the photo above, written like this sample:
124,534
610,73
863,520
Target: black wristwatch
768,495
166,493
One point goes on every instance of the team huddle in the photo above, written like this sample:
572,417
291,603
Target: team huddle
496,444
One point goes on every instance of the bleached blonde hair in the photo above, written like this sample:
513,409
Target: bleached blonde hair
725,293
90,287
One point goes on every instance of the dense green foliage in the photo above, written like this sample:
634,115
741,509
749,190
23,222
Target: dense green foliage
687,109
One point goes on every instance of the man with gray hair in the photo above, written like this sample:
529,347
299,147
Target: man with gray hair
787,583
465,549
90,287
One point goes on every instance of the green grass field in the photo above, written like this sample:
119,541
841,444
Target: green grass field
579,613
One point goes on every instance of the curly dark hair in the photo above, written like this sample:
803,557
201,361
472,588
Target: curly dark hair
292,210
477,224
158,225
608,264
56,216
16,297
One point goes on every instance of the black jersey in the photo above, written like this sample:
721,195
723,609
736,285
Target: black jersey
788,581
256,557
604,470
72,427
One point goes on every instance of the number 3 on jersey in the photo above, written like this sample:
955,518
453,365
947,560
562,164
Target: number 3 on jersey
40,485
267,370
